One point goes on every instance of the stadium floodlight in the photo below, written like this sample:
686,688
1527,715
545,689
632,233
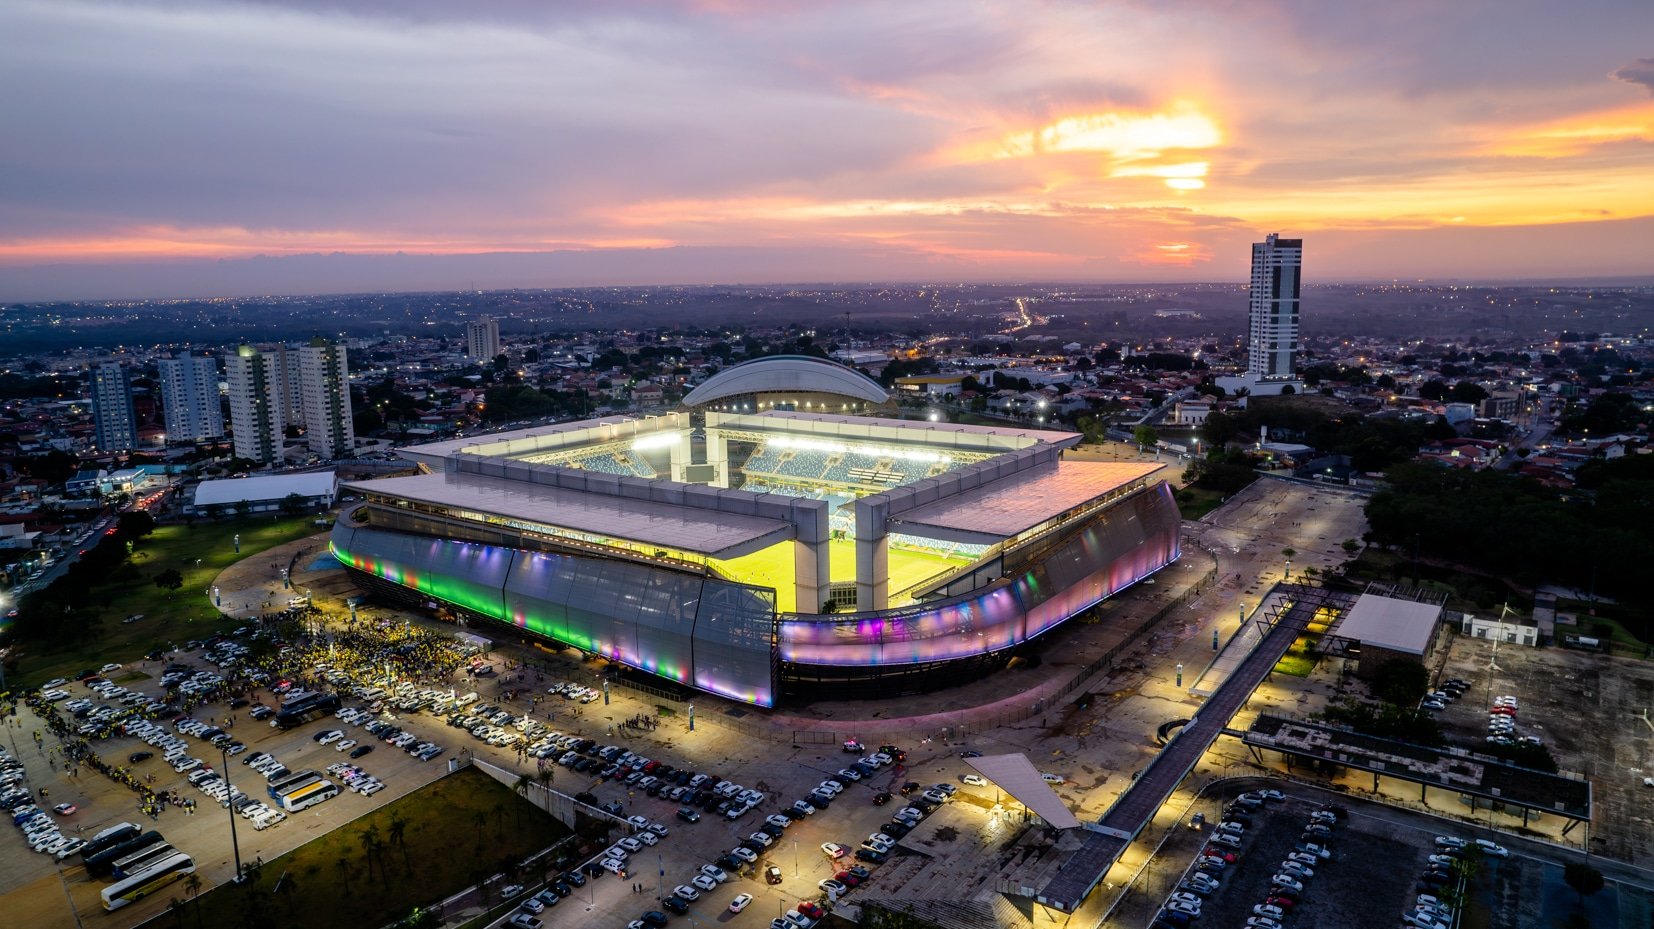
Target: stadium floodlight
658,440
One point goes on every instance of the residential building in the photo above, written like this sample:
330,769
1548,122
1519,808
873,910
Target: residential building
325,375
115,421
255,382
482,338
189,396
1272,319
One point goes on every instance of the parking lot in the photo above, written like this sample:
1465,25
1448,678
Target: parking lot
1588,709
1361,871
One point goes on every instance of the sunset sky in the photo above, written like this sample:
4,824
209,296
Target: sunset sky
183,148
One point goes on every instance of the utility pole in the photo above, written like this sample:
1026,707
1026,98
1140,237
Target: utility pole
229,807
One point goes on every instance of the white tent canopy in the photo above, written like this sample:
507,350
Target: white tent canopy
1017,776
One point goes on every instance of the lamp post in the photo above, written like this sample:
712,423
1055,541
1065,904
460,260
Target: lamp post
229,807
1180,674
691,717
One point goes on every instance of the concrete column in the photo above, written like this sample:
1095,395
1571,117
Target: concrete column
872,554
811,567
680,458
717,455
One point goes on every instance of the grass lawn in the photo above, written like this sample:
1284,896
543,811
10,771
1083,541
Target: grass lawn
169,616
1195,502
456,830
1301,658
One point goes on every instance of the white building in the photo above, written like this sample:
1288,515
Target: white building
290,386
324,372
189,393
1272,319
256,382
482,338
1192,412
116,425
315,489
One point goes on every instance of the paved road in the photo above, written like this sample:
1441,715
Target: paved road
1137,806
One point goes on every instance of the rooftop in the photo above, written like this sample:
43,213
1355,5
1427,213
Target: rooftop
1386,622
687,529
266,487
1006,509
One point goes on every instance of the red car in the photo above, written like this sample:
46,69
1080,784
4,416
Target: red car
1226,857
1282,902
810,909
847,879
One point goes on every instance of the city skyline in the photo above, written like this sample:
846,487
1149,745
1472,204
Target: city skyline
235,148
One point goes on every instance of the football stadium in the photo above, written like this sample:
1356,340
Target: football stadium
753,547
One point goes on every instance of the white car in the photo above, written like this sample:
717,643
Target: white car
331,736
344,745
762,838
1493,849
740,902
685,892
745,854
778,821
714,872
704,882
975,780
647,837
1052,778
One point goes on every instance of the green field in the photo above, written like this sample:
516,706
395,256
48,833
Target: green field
416,851
199,552
906,567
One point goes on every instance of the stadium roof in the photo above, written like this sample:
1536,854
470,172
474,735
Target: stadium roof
1017,776
268,487
687,529
1007,508
1398,625
787,373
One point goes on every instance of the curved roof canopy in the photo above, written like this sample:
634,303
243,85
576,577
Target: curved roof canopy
787,373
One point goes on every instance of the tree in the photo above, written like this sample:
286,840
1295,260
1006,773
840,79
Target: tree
177,908
134,525
1583,879
1145,436
1401,682
192,886
169,580
346,870
1218,430
243,507
1351,546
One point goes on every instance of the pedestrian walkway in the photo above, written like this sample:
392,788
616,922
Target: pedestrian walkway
1137,806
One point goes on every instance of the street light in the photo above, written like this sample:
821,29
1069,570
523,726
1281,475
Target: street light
229,807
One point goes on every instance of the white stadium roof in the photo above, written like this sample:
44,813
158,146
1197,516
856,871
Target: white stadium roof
651,522
1017,776
787,373
1006,509
232,490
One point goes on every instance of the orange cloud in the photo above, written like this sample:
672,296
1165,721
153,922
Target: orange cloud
1576,135
1132,143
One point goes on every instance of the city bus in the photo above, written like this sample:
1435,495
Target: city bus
146,882
286,784
110,837
103,862
298,712
310,796
143,858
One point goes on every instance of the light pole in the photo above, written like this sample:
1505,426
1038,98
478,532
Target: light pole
229,807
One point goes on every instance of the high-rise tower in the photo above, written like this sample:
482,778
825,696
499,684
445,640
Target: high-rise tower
189,391
1272,319
255,404
325,374
482,338
116,423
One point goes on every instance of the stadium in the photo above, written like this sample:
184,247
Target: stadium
753,547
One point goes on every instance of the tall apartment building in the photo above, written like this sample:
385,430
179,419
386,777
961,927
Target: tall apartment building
325,374
115,422
255,382
189,395
482,338
1272,319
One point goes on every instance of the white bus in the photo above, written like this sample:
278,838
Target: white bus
148,881
141,859
310,796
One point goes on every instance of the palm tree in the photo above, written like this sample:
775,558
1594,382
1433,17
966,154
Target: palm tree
478,818
192,886
177,908
524,781
398,837
499,818
346,870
